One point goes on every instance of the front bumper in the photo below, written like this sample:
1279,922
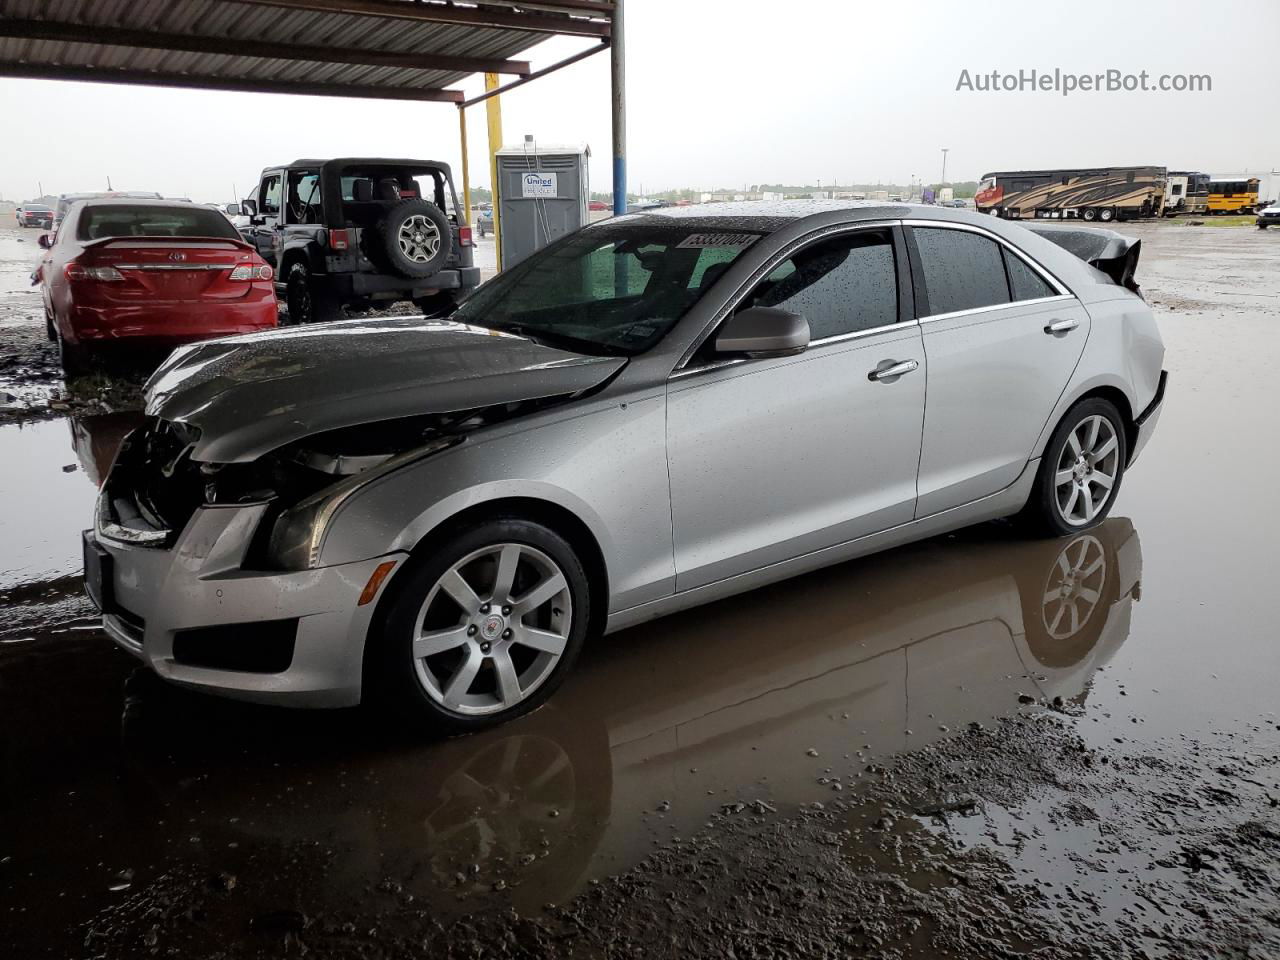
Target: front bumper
152,595
1147,420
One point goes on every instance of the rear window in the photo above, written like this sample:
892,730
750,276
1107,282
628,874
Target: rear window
962,270
122,220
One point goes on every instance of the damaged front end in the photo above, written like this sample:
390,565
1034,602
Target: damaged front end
156,486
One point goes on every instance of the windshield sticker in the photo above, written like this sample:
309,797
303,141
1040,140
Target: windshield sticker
699,241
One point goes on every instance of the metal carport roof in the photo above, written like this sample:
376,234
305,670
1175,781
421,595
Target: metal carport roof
395,49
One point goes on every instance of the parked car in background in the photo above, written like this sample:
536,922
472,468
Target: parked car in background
651,413
1268,216
484,220
34,215
149,273
65,200
361,231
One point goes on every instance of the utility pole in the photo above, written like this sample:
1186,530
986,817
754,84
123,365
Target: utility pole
944,168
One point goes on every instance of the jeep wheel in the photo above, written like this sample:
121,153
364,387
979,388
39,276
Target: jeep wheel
307,304
415,238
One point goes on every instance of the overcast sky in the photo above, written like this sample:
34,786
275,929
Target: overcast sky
729,93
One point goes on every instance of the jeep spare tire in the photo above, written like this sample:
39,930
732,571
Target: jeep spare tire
415,238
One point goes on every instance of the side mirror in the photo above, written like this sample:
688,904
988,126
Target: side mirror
232,209
45,240
764,332
248,207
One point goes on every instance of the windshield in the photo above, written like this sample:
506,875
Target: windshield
126,220
612,288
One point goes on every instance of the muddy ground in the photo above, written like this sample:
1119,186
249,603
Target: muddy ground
975,747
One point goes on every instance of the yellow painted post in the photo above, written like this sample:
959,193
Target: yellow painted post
466,166
493,111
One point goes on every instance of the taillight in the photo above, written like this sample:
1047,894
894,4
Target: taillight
247,271
340,239
78,271
464,237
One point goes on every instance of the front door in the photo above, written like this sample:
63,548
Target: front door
775,458
266,224
1002,341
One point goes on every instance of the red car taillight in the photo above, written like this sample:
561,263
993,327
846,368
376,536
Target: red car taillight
464,237
78,271
340,239
248,271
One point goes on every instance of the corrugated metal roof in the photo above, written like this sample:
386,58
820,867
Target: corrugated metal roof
255,44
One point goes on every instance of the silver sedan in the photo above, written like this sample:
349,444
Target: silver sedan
657,411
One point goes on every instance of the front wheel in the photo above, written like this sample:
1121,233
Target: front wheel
1080,471
482,628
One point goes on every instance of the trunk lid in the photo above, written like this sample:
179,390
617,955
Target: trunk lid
172,269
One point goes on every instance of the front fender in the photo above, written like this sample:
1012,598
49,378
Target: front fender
605,465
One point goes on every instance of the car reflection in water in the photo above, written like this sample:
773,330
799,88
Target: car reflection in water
660,725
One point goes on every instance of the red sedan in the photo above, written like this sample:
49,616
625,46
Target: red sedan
149,273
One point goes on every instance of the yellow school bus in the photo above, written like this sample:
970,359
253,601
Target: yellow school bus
1233,195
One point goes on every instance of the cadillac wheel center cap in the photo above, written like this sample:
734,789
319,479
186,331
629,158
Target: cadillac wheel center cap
491,627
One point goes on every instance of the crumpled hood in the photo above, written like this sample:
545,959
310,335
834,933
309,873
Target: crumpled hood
250,395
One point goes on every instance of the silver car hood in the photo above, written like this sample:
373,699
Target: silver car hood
250,395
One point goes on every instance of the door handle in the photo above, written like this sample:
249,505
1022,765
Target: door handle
1062,326
888,371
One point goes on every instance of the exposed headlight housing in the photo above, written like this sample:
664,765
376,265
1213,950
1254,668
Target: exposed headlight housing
298,533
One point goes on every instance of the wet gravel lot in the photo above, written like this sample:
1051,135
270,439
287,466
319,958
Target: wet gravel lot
977,746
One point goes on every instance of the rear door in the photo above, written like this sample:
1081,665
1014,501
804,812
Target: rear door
1002,339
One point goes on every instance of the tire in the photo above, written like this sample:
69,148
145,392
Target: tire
415,238
50,332
1262,226
1057,506
1106,215
1089,214
458,688
437,305
994,212
307,304
73,357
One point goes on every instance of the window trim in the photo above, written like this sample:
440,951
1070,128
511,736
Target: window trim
921,293
902,267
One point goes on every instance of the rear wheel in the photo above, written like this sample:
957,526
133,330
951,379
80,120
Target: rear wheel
1089,214
1080,471
1106,214
73,357
482,628
307,304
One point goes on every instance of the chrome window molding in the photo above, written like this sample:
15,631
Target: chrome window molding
992,308
732,301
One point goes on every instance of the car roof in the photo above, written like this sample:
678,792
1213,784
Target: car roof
772,214
362,161
134,202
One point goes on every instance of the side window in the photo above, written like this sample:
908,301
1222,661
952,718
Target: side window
1026,283
840,286
304,197
962,270
270,191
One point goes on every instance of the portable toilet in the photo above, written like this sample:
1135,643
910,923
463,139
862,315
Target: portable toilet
542,194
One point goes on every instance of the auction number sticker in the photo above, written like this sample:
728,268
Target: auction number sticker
700,241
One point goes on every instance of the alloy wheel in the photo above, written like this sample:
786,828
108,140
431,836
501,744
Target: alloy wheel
1087,470
1073,588
492,629
419,239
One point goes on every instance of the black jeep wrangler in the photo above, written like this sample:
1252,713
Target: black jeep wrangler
361,232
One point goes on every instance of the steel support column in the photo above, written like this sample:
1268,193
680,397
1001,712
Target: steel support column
618,93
